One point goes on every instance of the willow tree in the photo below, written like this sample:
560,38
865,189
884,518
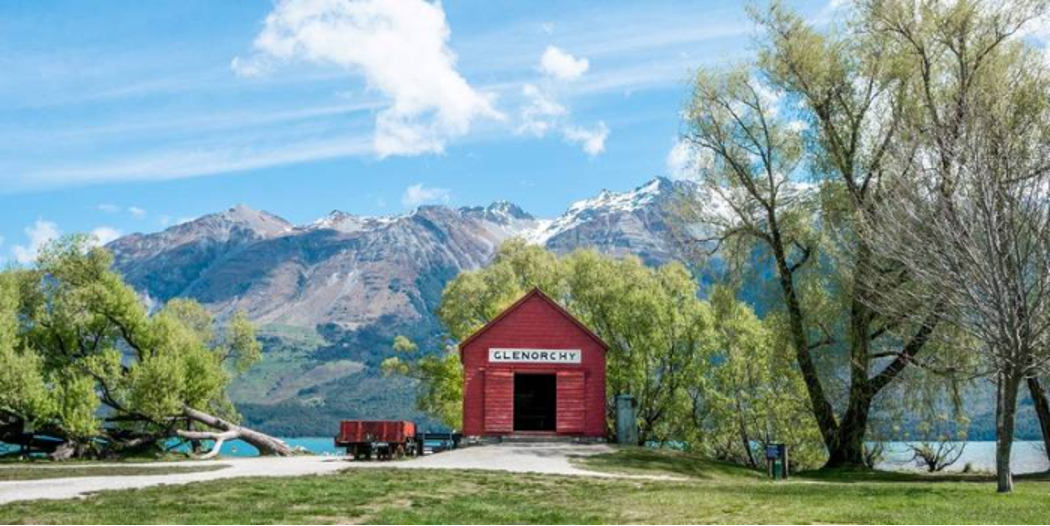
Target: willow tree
977,237
749,394
440,377
706,373
651,318
82,361
799,149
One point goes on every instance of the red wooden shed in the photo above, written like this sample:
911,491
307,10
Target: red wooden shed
534,370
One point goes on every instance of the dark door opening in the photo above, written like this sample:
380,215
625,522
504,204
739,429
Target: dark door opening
535,398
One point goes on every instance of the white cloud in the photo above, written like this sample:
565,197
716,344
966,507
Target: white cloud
39,234
103,235
680,160
418,194
684,161
192,162
592,140
110,208
769,97
797,126
250,67
1038,30
540,113
400,47
561,65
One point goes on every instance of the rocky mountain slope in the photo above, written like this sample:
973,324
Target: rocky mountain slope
350,271
331,294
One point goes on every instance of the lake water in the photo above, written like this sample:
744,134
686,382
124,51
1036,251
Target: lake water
315,445
236,448
1026,457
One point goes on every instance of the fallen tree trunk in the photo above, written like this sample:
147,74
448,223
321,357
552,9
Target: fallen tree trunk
65,451
266,444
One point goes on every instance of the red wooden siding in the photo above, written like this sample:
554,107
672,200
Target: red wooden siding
499,402
535,322
358,431
571,416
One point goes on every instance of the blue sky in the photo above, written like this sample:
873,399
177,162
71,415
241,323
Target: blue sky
121,117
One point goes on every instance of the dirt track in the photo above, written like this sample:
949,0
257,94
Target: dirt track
552,459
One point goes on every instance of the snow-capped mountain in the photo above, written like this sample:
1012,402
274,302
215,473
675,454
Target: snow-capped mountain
348,223
358,281
634,222
351,271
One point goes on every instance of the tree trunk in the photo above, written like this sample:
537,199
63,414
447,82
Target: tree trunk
1042,410
823,412
848,448
266,444
65,451
746,443
1005,415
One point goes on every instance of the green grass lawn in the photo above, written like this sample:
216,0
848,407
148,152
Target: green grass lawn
37,472
707,492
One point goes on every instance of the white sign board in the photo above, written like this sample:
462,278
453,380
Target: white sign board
535,355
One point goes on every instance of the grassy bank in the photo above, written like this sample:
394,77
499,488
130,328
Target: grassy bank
706,492
37,472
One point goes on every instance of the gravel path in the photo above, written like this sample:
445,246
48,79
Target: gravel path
549,458
65,488
552,458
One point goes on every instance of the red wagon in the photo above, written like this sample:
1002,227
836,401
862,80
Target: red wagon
384,438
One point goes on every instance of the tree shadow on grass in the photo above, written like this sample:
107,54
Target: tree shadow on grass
851,475
642,461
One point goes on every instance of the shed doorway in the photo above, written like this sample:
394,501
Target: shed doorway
535,402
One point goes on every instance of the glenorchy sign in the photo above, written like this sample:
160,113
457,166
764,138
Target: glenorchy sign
535,355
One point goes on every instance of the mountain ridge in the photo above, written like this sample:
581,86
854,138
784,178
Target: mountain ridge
222,259
330,295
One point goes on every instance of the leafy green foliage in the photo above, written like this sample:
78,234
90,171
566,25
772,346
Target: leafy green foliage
23,392
440,376
804,144
751,395
709,373
82,359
